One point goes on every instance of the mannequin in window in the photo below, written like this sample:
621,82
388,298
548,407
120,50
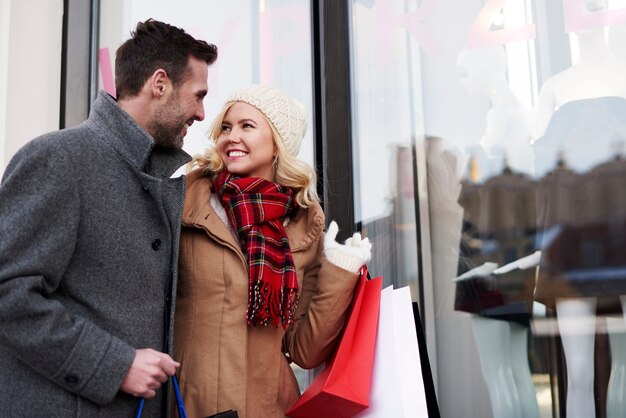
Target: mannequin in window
582,272
562,219
507,136
598,74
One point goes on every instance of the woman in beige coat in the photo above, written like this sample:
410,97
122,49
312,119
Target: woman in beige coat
260,285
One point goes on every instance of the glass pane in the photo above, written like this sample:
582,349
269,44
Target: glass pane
387,123
490,139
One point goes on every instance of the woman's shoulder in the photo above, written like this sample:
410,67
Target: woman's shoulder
196,174
198,186
306,227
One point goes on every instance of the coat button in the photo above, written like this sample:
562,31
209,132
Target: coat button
145,189
156,244
70,379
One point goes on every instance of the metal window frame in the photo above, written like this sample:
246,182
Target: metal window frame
332,111
79,60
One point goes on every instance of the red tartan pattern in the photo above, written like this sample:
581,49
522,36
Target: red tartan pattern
256,209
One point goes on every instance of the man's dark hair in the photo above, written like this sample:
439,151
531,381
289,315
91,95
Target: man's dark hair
155,45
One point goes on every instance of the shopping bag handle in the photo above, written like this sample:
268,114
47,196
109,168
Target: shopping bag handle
365,270
179,401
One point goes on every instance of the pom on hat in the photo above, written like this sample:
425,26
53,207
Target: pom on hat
286,114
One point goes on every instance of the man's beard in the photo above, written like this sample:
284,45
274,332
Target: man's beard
166,125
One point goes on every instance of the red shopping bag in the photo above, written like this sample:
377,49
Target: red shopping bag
342,389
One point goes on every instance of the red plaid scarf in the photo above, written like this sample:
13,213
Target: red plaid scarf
256,209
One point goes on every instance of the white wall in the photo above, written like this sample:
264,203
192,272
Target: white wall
30,69
5,12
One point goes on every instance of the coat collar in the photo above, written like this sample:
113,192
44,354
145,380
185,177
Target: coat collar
303,230
197,209
133,143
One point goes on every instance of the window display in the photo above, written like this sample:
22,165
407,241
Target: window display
517,109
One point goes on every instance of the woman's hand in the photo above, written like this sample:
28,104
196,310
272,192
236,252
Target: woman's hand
349,256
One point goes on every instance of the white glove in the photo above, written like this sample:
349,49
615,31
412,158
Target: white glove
352,255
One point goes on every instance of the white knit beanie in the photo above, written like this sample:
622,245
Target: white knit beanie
286,114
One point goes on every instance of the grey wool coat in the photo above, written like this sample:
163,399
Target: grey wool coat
89,229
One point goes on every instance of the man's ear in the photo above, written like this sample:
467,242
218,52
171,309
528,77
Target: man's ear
159,82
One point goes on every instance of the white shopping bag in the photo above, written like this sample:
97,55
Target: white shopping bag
397,383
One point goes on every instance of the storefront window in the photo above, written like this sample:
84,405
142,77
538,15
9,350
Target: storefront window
490,137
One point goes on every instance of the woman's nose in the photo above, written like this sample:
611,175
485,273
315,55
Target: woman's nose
233,136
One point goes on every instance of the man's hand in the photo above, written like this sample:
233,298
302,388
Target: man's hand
149,370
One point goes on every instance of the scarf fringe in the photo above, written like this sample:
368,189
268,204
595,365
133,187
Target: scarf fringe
267,304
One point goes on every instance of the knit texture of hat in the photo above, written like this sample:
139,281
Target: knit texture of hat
286,114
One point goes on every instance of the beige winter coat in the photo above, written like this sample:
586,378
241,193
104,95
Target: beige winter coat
225,364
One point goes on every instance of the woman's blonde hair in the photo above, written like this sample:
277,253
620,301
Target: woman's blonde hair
290,171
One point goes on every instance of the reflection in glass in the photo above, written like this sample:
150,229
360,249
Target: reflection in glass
506,140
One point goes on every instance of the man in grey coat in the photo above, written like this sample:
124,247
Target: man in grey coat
89,229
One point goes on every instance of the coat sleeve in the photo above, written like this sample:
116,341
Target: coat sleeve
39,221
324,300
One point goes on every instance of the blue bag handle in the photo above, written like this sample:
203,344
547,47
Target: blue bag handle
179,401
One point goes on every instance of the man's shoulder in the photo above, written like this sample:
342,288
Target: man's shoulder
70,141
60,149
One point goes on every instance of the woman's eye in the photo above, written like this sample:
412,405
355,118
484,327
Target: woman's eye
248,125
225,128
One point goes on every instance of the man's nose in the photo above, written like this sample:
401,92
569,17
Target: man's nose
200,113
